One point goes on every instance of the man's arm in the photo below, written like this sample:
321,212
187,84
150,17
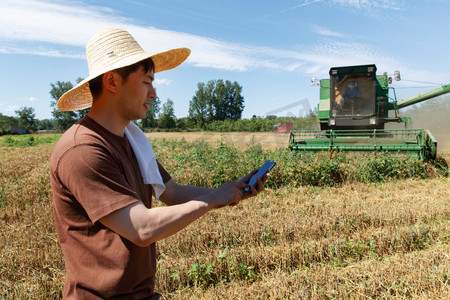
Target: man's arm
144,226
178,194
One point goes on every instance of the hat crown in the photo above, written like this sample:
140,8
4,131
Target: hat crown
109,47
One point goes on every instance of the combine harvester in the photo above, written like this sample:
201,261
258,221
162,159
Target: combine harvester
355,106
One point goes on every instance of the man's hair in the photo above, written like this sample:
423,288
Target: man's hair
96,84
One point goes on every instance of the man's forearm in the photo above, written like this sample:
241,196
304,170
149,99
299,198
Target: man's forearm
143,226
192,192
178,194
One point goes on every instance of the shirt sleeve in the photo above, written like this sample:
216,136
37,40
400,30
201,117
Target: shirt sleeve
96,180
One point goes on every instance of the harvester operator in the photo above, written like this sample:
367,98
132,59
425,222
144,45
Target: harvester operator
352,96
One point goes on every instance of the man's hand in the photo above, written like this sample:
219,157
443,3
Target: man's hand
253,191
232,192
229,193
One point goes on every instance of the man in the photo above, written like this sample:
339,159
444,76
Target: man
102,205
352,96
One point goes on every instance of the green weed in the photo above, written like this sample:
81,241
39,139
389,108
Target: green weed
203,164
28,140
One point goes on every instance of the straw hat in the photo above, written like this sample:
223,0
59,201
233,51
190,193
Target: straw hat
111,49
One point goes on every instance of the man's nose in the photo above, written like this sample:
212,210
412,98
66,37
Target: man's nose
152,93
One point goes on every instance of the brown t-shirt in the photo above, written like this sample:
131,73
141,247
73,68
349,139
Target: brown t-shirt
94,173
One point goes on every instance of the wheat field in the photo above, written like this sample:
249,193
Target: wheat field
241,140
267,140
387,240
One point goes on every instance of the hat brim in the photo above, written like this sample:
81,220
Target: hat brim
80,96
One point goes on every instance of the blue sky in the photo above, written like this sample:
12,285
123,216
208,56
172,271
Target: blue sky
271,48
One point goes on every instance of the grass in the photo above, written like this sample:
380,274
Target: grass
355,238
28,140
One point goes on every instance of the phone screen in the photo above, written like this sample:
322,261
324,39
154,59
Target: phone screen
265,168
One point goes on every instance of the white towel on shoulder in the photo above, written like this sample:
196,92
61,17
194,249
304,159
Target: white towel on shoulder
146,158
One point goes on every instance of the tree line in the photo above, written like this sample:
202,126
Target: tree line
217,105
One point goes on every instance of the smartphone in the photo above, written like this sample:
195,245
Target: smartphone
265,168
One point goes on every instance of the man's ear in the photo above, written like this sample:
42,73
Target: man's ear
111,81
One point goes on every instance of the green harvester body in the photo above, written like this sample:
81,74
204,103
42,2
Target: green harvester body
353,109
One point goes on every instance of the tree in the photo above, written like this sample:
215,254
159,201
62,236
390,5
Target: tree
150,119
167,116
45,124
26,117
235,100
216,101
63,119
6,122
182,123
82,112
199,105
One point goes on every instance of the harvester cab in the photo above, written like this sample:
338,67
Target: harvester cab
353,109
352,98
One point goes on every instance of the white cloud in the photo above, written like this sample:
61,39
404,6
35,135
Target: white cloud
12,108
32,99
304,3
39,50
57,23
365,6
324,31
62,29
370,4
163,81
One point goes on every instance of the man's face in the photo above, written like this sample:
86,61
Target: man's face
136,94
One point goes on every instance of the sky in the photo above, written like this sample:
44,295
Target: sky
271,48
